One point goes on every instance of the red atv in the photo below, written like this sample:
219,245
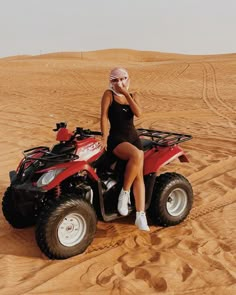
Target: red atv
64,189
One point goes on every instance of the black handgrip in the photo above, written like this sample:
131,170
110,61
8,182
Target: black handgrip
60,125
87,131
96,132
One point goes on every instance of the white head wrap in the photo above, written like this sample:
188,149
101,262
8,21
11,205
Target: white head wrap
119,73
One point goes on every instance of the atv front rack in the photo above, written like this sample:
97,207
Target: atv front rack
163,138
48,156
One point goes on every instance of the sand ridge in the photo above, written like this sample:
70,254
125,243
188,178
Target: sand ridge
180,93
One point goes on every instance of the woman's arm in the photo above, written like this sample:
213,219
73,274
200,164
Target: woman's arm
133,101
134,104
106,101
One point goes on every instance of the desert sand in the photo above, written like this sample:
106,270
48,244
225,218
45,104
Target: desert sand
180,93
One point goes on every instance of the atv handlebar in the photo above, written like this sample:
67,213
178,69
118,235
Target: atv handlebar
60,125
79,132
87,132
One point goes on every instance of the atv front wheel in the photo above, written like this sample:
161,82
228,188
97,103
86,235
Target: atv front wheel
12,213
65,227
172,199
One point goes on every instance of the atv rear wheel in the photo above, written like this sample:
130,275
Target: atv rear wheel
172,199
65,227
12,213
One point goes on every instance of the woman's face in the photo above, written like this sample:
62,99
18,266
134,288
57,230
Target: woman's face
121,82
119,77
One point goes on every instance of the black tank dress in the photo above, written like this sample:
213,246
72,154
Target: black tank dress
122,127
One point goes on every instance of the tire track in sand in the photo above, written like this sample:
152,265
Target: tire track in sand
195,213
212,172
228,199
212,98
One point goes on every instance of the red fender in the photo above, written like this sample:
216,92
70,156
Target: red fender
156,158
70,169
63,134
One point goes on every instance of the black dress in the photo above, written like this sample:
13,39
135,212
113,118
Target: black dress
122,127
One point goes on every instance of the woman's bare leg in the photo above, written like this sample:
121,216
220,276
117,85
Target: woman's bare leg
133,172
139,194
133,175
139,191
134,156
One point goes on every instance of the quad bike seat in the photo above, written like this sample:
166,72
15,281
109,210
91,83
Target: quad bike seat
62,148
108,164
105,160
147,144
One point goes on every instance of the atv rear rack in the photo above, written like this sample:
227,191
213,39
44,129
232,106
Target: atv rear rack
163,138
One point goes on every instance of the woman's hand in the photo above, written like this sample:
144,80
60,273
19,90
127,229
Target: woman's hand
121,89
104,143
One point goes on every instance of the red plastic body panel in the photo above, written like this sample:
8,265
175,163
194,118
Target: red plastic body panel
70,169
63,135
88,149
156,158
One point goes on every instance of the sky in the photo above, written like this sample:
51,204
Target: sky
33,27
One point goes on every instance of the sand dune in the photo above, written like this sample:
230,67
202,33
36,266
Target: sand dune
181,93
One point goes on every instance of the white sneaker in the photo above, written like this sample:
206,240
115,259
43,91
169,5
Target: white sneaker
141,221
123,201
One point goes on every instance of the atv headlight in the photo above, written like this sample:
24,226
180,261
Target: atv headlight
48,177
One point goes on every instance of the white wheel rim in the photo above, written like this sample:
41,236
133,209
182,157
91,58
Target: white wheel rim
177,202
71,229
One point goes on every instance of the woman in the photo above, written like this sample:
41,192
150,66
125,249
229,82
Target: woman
118,108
